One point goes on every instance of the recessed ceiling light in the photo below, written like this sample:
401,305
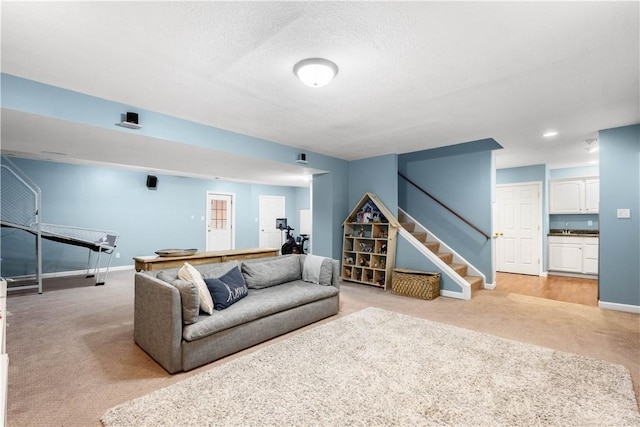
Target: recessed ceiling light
550,133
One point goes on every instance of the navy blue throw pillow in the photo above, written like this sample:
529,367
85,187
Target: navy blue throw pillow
227,289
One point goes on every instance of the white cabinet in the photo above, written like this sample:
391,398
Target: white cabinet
574,196
573,254
590,255
592,195
565,254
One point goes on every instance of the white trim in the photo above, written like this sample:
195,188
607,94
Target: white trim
619,307
578,275
446,269
543,241
451,294
490,286
69,273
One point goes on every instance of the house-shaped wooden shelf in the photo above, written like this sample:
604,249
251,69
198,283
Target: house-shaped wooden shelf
369,244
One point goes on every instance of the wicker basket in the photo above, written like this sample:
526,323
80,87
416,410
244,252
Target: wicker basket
416,284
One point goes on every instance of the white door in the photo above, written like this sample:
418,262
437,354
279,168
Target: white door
518,228
271,207
220,218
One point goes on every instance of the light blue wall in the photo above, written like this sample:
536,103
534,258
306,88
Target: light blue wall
115,199
620,238
532,173
37,98
459,176
330,208
378,175
575,172
574,222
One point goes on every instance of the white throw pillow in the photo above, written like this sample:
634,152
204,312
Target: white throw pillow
190,274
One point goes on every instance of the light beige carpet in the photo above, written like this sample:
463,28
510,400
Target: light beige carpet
376,367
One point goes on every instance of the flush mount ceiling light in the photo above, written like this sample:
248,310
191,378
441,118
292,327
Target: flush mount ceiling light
315,72
550,133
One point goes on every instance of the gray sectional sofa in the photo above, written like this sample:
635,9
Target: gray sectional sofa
170,328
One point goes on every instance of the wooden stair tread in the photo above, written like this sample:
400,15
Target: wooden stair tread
461,269
474,281
432,246
420,235
446,257
409,226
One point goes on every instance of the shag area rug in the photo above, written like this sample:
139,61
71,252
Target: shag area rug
378,368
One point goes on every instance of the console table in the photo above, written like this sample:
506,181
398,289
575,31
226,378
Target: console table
155,262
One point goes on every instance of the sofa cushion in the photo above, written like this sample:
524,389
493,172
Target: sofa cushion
263,273
190,274
188,295
259,303
227,289
217,269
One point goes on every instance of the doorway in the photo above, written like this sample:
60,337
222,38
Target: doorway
518,228
560,288
271,208
220,219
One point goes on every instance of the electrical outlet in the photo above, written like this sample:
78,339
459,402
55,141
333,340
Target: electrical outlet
589,223
117,254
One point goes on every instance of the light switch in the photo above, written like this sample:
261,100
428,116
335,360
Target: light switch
624,213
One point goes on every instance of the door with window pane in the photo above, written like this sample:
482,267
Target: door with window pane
219,222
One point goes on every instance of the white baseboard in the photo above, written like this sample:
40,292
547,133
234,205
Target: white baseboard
70,273
489,285
619,307
578,275
451,294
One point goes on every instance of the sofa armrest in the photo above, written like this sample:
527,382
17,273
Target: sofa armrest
335,275
157,321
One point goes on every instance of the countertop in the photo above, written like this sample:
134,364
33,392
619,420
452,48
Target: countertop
576,233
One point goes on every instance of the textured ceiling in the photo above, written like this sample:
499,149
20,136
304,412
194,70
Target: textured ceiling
413,75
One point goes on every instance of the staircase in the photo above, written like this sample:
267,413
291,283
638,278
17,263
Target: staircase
461,269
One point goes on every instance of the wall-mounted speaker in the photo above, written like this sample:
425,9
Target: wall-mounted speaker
152,182
302,158
132,117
